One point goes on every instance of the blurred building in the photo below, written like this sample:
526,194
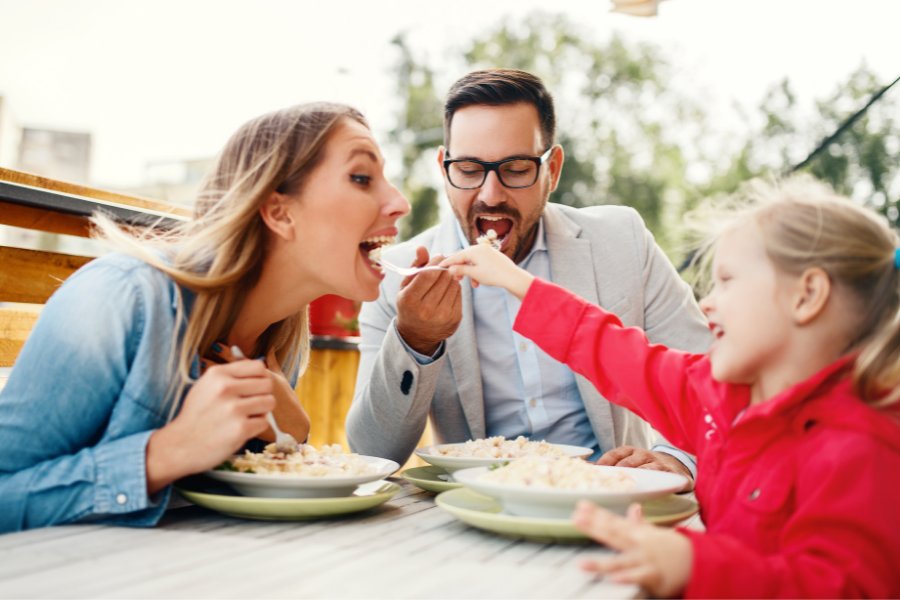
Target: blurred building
172,181
64,155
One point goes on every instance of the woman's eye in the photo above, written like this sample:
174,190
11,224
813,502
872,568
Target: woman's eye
360,179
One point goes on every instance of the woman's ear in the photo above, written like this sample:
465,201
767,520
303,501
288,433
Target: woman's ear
277,216
811,294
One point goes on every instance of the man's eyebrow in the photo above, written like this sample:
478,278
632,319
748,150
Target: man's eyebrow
475,158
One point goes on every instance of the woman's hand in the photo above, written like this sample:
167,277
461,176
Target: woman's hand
289,412
224,409
485,265
658,559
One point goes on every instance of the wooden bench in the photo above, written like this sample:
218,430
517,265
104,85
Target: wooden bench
29,277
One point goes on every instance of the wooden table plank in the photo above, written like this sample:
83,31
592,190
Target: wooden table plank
407,548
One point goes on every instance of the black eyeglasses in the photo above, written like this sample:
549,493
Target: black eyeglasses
516,172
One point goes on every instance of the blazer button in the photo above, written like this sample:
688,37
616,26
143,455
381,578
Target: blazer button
754,495
406,382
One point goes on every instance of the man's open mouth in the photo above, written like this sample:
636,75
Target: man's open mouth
501,226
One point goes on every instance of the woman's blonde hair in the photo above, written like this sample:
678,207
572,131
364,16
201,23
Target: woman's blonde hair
218,253
805,224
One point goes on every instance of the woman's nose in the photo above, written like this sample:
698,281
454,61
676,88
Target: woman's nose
395,204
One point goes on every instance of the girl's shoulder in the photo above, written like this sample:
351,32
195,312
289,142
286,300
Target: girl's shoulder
842,421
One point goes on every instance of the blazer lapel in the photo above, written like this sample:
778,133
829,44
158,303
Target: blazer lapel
572,267
461,347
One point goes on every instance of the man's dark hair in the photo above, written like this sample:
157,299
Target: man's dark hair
499,87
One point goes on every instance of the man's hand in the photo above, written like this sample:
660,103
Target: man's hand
629,456
429,306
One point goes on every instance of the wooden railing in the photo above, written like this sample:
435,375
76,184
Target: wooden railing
29,277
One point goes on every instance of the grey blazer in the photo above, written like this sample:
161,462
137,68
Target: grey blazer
603,253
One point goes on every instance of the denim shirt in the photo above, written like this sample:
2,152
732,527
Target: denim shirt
86,393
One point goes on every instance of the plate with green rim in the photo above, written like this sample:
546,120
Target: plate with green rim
218,497
486,513
430,479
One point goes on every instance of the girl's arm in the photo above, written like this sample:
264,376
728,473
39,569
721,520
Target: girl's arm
650,380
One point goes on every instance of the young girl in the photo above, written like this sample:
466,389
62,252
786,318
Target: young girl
294,204
793,413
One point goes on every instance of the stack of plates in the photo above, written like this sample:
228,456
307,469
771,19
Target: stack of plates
290,497
540,514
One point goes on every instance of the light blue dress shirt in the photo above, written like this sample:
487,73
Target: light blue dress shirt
526,392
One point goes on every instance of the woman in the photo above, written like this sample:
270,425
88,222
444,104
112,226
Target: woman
116,394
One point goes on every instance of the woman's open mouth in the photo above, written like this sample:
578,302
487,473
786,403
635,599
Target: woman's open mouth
371,249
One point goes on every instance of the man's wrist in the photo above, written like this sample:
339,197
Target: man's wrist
426,348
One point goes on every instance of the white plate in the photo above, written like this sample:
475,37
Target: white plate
534,501
289,485
454,463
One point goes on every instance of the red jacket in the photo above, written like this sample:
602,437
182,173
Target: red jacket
800,494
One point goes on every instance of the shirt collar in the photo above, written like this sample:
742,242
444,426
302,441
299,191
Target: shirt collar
799,392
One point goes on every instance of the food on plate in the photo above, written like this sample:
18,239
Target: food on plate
329,461
500,447
565,473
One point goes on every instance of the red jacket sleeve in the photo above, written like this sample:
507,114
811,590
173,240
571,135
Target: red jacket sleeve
649,379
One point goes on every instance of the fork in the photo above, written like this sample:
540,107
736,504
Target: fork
284,442
407,270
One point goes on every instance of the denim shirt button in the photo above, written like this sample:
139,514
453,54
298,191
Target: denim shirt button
121,499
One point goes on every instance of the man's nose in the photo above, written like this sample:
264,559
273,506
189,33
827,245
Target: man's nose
492,191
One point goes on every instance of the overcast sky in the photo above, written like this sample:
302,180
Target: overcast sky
171,79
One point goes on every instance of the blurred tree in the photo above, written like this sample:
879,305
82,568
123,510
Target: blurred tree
863,162
418,128
633,137
626,133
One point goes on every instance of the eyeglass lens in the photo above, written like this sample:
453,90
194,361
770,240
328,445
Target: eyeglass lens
513,173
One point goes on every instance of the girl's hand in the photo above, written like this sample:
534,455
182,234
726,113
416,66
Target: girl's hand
224,409
658,559
485,265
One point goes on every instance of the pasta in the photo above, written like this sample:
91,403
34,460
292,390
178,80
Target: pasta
329,461
500,447
565,473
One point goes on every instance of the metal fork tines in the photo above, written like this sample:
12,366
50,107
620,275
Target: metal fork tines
408,270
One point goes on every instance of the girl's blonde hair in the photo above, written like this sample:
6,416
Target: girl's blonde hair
218,253
805,224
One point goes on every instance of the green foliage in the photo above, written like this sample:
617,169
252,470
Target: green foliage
630,137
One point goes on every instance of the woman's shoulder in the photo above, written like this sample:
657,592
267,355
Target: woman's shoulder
119,271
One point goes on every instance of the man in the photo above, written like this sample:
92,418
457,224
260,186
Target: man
431,346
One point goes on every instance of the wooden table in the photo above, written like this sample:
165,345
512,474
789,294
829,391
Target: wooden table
407,548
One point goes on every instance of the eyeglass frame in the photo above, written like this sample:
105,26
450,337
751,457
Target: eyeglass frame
494,166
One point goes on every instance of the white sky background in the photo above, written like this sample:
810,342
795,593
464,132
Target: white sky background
171,79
